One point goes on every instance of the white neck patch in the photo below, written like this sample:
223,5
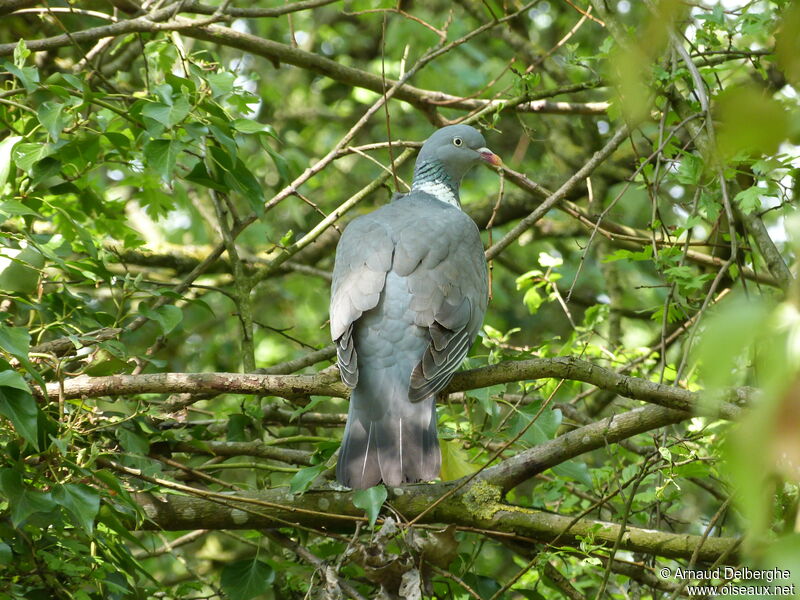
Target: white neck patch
438,190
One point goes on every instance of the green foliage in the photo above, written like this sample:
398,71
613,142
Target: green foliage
127,161
370,500
246,579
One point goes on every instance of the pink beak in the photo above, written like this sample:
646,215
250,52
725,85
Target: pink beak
490,157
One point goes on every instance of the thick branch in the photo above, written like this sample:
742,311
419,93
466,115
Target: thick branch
477,505
291,386
513,471
573,369
286,386
775,263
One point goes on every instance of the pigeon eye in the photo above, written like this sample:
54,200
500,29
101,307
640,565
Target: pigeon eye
457,141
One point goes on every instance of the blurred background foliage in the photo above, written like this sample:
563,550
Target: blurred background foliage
126,161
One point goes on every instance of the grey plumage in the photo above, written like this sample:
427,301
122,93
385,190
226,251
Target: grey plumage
409,292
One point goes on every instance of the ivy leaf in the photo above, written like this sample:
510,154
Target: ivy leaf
22,500
16,341
80,500
371,500
246,579
14,380
19,406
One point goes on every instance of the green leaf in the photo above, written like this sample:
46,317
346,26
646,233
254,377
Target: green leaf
80,500
280,163
166,316
486,587
14,380
19,270
167,114
645,254
542,430
6,555
15,341
243,181
132,442
750,122
532,299
19,406
161,156
180,110
527,279
455,462
21,53
749,200
252,126
22,500
171,316
303,479
690,170
574,470
246,579
12,208
220,83
201,176
26,155
51,116
28,76
371,500
6,146
547,260
158,112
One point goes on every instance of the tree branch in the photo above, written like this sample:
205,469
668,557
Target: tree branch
561,193
292,386
283,53
477,505
513,471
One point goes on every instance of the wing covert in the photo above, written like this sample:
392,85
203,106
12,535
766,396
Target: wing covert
363,257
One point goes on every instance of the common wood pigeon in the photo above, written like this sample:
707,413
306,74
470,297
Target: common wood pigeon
410,288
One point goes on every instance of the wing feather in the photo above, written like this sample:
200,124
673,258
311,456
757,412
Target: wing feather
449,287
363,257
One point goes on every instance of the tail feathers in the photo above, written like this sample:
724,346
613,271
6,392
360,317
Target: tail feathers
400,447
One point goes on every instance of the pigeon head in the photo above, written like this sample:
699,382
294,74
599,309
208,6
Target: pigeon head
446,156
